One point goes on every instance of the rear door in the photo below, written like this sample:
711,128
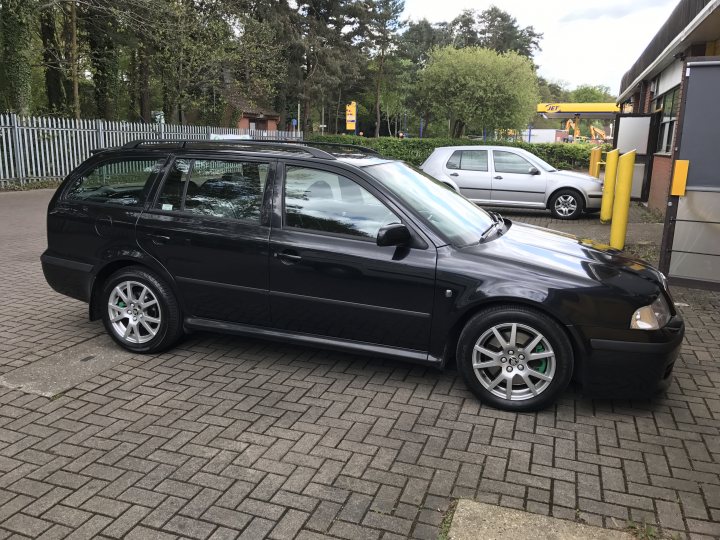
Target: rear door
97,211
469,170
209,227
513,183
328,277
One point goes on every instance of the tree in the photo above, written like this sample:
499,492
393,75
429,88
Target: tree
17,22
500,32
480,88
591,94
494,29
421,37
383,24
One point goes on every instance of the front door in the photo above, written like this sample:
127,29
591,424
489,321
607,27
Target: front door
469,170
514,182
328,277
209,226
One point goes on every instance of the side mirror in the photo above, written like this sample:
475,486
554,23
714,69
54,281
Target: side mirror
533,171
395,234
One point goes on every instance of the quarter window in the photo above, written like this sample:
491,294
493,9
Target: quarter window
469,160
507,162
326,202
122,183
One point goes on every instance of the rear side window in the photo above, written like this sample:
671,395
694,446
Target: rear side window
215,188
121,182
469,160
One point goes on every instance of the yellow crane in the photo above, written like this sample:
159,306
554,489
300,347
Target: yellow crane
575,125
598,134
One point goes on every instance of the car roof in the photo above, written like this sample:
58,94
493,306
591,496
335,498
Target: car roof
481,147
358,156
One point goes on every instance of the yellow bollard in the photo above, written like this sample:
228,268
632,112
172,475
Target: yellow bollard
595,154
621,204
606,207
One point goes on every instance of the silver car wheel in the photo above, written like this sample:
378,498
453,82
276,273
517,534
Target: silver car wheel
514,361
566,205
134,312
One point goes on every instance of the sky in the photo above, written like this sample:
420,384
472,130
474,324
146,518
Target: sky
584,42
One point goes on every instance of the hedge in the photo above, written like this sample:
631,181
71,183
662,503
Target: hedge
415,151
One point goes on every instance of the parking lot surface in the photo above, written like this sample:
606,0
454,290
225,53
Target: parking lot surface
226,437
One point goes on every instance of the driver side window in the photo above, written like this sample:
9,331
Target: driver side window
508,162
325,202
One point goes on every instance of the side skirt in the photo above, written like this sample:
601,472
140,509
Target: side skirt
322,342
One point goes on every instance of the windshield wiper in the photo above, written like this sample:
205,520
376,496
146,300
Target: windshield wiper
497,220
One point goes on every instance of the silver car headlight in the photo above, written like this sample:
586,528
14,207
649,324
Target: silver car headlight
651,317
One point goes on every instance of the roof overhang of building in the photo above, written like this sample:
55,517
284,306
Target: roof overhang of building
692,21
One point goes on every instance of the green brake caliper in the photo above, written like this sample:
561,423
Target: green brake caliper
542,365
121,304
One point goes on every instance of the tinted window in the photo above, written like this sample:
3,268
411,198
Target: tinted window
454,161
507,162
174,186
323,201
474,160
121,182
226,189
468,160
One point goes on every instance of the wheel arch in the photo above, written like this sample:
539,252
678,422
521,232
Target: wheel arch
456,329
112,266
557,190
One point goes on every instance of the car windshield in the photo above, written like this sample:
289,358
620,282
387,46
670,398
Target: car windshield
450,214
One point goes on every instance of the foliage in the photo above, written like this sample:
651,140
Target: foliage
415,151
591,94
16,27
480,88
494,29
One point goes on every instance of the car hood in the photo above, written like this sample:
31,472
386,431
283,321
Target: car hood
572,175
552,252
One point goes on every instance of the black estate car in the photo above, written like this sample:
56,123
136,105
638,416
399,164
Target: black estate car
338,247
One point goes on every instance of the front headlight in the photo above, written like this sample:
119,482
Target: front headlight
651,317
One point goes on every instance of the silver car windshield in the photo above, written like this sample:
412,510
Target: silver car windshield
447,212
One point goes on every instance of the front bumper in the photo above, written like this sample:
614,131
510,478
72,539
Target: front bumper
594,200
621,368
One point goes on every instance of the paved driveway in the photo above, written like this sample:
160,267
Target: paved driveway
225,437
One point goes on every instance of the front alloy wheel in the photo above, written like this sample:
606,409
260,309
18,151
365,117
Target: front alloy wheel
515,358
567,204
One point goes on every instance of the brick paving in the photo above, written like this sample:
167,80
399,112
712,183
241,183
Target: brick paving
225,437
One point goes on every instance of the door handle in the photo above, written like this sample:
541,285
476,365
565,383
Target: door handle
454,174
498,177
288,257
159,238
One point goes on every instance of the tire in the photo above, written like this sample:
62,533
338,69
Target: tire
548,372
148,326
567,204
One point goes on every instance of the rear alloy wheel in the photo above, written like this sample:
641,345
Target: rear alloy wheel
141,312
567,204
515,358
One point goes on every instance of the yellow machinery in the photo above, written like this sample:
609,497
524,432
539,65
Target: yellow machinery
598,134
575,125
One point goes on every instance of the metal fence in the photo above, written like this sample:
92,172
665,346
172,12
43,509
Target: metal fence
37,148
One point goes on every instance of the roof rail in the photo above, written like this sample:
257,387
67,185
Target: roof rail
279,145
363,149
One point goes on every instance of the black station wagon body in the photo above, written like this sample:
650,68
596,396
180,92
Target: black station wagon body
334,247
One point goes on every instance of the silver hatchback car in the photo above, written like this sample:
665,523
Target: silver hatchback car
507,176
